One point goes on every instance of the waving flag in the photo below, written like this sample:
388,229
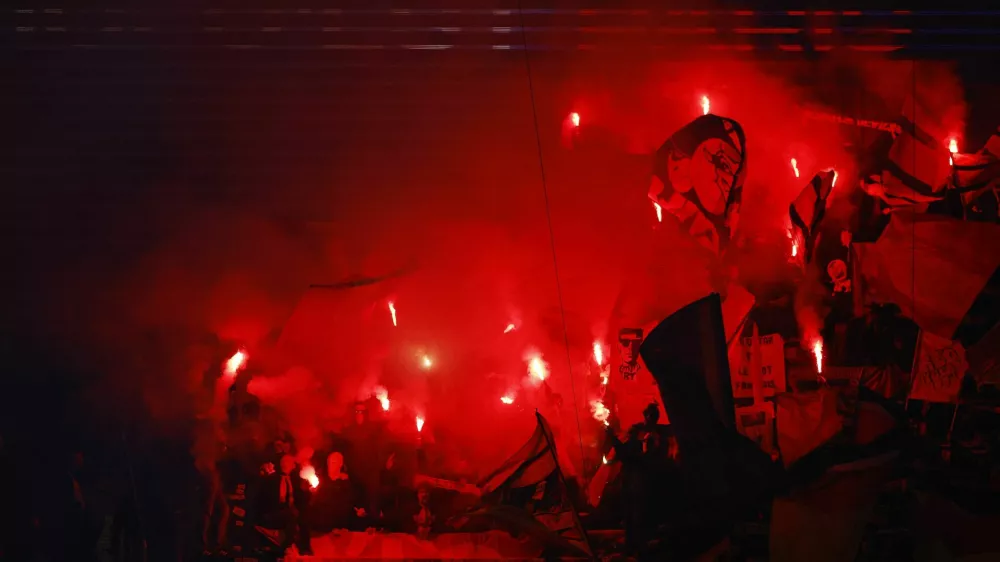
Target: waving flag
698,178
808,209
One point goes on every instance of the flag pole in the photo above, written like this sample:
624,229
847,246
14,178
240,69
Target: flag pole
562,480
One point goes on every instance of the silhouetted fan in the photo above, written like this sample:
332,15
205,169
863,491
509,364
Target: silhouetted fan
724,475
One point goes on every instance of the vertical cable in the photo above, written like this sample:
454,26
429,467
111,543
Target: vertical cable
548,216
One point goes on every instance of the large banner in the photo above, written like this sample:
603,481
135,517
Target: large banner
938,368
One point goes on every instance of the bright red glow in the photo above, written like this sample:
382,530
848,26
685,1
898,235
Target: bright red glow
598,353
818,354
392,311
510,328
382,395
795,167
574,118
426,362
509,397
706,105
659,211
236,363
308,473
420,424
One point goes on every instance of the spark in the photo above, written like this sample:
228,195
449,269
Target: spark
392,310
236,363
706,105
510,328
795,167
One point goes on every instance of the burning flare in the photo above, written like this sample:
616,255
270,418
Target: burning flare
392,311
510,328
236,363
426,362
383,397
420,424
818,354
600,412
659,211
598,353
308,473
953,149
834,182
795,167
706,105
604,459
537,368
574,119
508,398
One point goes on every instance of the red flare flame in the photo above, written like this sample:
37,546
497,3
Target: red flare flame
659,211
392,311
598,353
795,167
537,368
426,362
236,363
382,395
510,328
508,398
420,424
706,105
818,354
308,473
599,411
574,119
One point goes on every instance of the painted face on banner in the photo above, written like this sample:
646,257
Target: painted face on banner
629,340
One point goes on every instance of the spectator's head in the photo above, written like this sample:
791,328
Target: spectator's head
360,412
334,465
287,464
651,414
282,446
423,495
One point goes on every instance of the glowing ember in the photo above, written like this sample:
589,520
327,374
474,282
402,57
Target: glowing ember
598,353
818,354
508,398
392,310
604,459
308,473
383,397
236,363
706,105
420,424
599,411
574,118
659,211
795,167
510,328
426,362
537,368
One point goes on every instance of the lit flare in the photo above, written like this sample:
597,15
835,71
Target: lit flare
537,368
600,411
574,119
818,354
420,424
510,328
795,167
382,395
392,311
508,398
308,473
236,363
426,362
598,353
659,211
953,149
706,105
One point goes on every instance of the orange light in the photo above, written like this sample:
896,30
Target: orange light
392,311
706,105
574,118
